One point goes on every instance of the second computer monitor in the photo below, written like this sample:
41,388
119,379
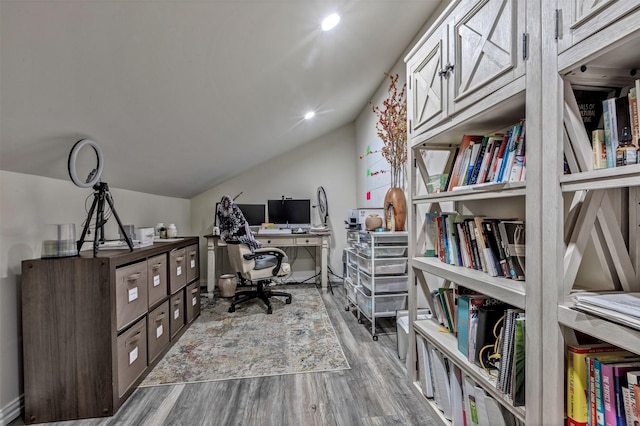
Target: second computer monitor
290,213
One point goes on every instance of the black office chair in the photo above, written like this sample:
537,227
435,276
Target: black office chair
255,265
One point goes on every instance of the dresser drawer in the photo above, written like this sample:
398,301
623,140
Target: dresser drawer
132,355
157,278
131,293
192,265
177,270
192,300
307,241
158,330
176,310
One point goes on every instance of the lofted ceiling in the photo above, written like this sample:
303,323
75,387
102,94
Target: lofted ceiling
183,95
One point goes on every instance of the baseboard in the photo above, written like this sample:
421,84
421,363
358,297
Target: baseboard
11,411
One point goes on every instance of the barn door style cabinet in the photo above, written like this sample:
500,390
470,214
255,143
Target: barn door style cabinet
525,60
94,327
473,52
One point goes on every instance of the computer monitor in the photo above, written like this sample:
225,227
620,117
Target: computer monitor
254,214
290,213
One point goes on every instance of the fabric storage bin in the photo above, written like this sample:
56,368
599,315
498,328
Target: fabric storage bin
386,284
383,266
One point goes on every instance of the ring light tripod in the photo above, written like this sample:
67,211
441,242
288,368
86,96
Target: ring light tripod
100,195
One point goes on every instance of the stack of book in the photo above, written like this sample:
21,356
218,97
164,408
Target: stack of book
602,384
495,246
461,400
484,159
619,307
618,113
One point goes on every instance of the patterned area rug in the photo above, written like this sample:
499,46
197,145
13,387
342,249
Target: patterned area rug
219,345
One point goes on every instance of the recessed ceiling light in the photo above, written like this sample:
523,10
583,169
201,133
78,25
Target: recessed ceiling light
309,115
330,22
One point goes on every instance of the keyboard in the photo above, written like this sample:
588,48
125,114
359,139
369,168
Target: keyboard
273,231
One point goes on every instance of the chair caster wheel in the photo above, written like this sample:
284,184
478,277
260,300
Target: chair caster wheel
375,338
269,310
288,301
232,309
359,321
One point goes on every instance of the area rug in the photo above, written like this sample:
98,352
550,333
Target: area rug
296,338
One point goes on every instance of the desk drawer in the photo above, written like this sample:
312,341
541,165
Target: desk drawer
131,293
308,241
277,242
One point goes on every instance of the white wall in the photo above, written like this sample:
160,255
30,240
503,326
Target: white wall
327,161
27,204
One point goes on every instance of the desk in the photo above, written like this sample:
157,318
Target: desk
319,241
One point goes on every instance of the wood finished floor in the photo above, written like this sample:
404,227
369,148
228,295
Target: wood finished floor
374,391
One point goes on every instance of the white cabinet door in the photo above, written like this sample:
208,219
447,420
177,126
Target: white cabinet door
476,51
580,19
486,46
428,84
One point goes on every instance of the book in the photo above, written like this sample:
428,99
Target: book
610,152
473,159
510,153
454,157
500,156
473,179
467,324
487,333
493,164
424,367
590,106
487,157
599,149
488,262
614,377
577,378
518,376
492,237
633,379
633,115
461,163
472,235
512,235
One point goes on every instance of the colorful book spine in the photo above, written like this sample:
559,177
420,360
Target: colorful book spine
577,379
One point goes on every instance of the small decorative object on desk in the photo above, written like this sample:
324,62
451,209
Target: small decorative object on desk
372,222
172,231
392,130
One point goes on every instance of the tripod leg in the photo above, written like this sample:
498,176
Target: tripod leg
88,221
99,223
127,238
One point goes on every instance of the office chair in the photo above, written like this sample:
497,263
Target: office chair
255,265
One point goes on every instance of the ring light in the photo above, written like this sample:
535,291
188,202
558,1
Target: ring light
94,176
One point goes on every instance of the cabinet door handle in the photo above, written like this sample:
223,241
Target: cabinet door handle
194,291
447,68
160,317
156,266
134,277
192,254
177,302
179,259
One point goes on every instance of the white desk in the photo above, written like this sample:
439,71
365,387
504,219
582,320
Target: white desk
319,241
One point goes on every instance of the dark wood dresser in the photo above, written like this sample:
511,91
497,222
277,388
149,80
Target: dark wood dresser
93,327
